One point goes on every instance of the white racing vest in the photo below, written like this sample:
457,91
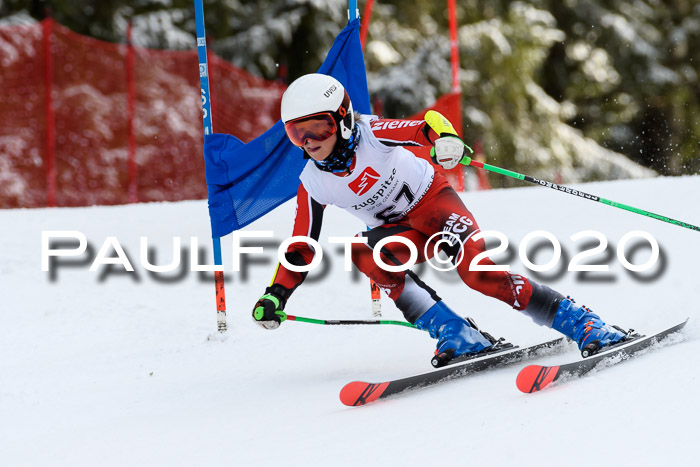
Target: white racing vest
385,184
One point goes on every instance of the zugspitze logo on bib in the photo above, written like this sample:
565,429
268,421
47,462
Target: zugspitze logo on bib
364,182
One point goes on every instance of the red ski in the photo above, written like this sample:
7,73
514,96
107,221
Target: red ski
534,378
360,393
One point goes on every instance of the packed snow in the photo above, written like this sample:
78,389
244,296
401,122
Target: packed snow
115,368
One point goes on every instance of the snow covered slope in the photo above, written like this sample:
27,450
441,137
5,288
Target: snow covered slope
115,368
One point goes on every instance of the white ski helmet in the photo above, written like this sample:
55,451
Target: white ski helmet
315,94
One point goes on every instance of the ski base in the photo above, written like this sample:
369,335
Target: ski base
360,393
534,378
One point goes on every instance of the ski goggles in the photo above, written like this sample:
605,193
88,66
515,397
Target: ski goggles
318,127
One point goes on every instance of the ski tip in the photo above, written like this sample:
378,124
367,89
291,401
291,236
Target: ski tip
533,378
359,393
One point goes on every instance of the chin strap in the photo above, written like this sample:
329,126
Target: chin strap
341,158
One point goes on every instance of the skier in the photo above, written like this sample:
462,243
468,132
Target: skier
358,163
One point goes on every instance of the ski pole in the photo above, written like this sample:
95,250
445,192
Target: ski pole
466,160
334,322
443,127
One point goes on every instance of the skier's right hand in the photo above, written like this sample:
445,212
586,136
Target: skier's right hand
268,310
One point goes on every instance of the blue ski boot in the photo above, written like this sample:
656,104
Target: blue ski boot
455,335
585,328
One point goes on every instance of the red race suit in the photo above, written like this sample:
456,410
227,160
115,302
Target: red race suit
397,194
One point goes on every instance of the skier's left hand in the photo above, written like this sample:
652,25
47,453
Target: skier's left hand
448,151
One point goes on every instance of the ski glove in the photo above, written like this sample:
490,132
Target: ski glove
448,151
268,310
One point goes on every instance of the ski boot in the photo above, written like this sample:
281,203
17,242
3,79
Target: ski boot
456,335
586,328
